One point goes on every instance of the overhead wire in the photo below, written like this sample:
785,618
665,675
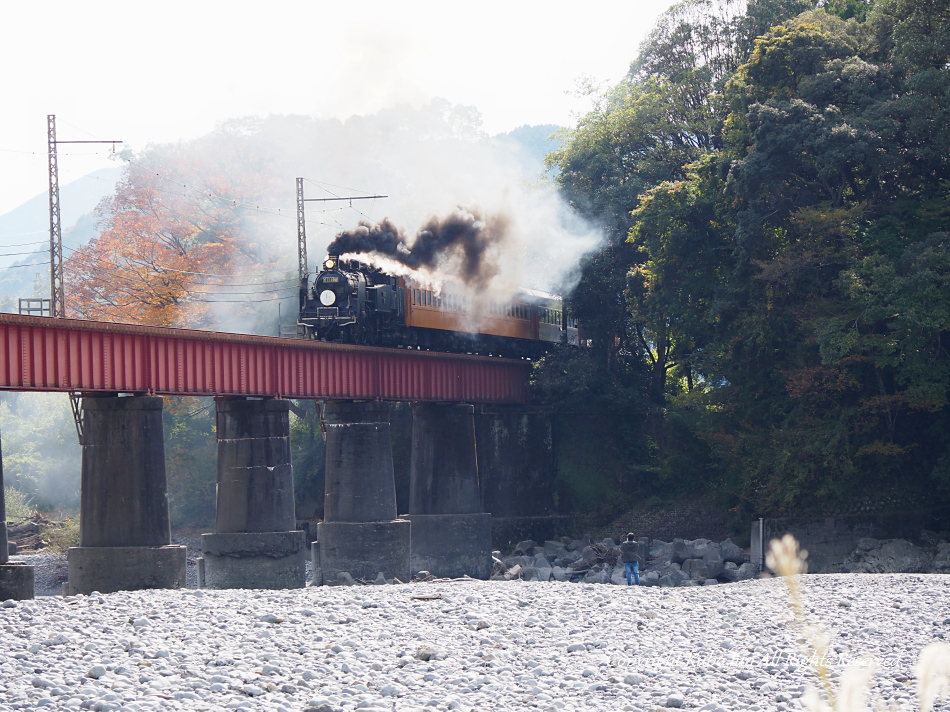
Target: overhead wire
279,212
119,275
18,254
193,295
195,192
24,234
32,264
27,244
204,274
321,184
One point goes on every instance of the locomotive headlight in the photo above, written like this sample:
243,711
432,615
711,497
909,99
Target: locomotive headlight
327,297
329,264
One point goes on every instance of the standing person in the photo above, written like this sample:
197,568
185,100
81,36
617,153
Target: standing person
630,555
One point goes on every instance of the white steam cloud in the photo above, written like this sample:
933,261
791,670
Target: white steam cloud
429,161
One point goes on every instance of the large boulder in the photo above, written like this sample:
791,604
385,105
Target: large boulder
598,575
510,561
692,549
941,560
526,547
887,556
732,552
661,549
731,573
568,558
746,571
673,577
680,551
703,548
554,550
702,569
619,575
533,573
541,562
578,544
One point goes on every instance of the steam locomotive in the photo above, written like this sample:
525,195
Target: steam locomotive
352,302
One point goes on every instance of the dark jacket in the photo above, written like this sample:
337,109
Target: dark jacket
630,552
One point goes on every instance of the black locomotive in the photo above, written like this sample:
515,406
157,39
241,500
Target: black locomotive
352,302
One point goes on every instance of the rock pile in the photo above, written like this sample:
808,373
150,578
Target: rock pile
677,563
897,556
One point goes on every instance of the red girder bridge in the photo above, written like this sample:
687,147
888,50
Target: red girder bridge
54,354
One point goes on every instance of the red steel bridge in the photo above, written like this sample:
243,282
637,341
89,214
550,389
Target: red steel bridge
47,354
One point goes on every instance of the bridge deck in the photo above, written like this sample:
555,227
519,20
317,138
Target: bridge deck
44,354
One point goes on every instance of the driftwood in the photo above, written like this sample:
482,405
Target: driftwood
25,533
602,555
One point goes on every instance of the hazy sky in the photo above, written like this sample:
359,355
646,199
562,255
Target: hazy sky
164,71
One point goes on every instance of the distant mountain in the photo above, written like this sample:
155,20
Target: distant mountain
534,141
30,222
24,234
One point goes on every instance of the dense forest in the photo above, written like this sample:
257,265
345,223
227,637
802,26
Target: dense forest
768,314
770,320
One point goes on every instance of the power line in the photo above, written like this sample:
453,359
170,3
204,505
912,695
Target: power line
206,194
25,244
32,264
118,274
19,254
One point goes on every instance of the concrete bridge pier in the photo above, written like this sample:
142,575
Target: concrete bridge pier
517,473
255,543
124,533
360,534
16,579
451,536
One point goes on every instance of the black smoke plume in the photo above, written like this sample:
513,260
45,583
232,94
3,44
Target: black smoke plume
459,242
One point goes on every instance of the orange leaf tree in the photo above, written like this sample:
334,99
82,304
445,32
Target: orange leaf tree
180,226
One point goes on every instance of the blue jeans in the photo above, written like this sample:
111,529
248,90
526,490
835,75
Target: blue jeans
632,569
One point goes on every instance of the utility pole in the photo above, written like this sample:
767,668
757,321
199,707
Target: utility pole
302,269
302,265
57,293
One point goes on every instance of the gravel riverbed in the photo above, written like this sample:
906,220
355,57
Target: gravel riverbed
467,645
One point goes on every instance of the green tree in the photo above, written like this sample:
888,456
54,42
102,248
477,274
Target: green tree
191,452
308,454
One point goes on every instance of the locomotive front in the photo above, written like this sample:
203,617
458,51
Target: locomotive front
336,301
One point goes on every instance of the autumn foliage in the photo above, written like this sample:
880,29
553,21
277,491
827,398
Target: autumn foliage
175,238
